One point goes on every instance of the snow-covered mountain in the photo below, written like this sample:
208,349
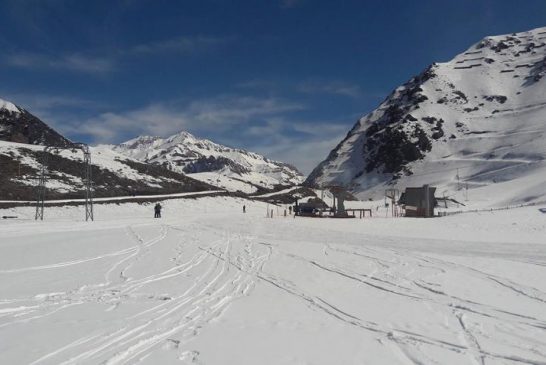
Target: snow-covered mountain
18,125
113,174
476,122
227,167
142,166
22,140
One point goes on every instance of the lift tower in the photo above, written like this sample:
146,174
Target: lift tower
44,172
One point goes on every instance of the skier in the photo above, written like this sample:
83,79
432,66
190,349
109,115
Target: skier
157,210
244,208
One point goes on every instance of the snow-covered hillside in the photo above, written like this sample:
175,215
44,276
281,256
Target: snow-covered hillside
227,167
113,174
22,140
476,122
207,284
145,165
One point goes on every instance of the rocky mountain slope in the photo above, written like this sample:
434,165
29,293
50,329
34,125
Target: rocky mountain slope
18,125
474,125
226,167
22,137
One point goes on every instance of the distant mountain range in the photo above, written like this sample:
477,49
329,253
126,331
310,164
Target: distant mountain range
145,165
476,122
205,160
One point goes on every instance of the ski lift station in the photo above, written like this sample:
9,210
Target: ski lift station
411,202
317,207
418,202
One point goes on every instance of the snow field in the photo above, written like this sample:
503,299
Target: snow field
208,284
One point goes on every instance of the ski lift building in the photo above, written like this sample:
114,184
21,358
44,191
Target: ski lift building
418,202
311,208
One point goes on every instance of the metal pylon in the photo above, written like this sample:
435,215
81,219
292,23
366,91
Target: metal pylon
87,180
41,188
88,184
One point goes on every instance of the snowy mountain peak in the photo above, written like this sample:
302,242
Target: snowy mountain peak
141,142
182,135
510,42
482,113
9,106
183,152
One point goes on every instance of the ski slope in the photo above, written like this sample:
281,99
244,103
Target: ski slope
483,115
207,284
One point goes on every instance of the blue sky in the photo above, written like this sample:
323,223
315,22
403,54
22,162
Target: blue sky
285,78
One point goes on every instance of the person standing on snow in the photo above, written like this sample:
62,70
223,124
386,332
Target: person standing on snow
157,210
244,208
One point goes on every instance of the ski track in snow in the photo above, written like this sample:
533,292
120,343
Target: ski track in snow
206,299
469,344
171,281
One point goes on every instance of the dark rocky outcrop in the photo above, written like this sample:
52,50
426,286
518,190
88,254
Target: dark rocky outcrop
23,127
394,148
212,163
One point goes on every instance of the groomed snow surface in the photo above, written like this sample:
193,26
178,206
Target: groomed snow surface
207,284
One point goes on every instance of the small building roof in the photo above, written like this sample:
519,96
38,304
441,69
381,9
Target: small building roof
415,196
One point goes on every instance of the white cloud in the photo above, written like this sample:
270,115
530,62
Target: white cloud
305,154
234,110
208,115
257,84
331,87
55,110
34,102
180,44
72,62
100,61
84,63
304,149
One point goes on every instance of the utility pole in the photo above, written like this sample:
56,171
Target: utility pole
44,172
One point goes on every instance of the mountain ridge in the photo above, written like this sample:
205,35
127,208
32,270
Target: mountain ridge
186,153
470,106
22,140
143,165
